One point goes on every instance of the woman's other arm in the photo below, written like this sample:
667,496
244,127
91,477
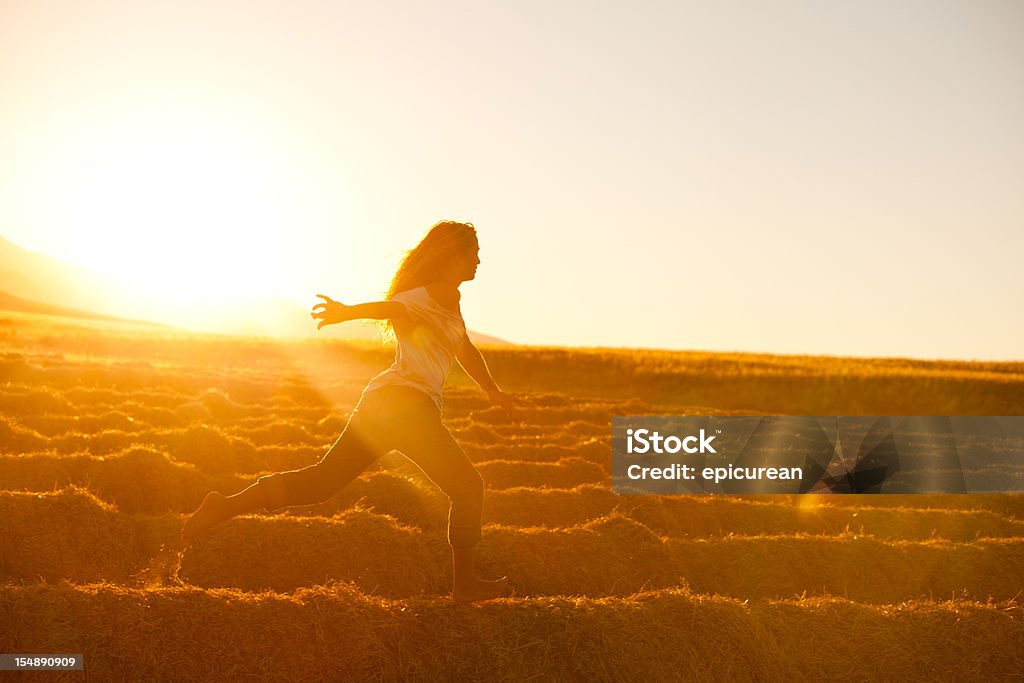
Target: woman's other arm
473,363
331,312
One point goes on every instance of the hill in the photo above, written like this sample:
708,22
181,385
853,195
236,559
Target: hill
9,302
55,287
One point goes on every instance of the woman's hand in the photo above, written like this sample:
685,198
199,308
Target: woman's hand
330,312
507,402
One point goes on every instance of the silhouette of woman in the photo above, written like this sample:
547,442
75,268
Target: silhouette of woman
400,409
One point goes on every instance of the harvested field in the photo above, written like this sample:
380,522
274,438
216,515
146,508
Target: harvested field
110,437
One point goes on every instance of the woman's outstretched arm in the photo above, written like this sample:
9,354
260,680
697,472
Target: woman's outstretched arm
331,312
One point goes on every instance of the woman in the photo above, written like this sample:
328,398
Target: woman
400,408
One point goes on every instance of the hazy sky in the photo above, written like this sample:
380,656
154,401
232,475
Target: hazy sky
799,177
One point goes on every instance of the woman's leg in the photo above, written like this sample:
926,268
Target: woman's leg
425,440
356,449
217,508
351,454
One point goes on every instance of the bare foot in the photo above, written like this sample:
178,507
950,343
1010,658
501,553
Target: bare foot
479,589
213,511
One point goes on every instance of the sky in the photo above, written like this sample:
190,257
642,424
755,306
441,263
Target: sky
819,177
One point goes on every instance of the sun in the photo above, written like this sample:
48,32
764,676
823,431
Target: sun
180,212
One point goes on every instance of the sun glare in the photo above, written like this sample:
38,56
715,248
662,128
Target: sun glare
180,213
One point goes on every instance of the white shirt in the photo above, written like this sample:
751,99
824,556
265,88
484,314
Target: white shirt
427,342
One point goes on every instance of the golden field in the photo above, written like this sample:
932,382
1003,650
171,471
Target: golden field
110,434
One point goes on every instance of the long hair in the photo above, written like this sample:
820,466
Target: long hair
423,264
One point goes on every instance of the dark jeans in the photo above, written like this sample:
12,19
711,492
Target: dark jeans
391,418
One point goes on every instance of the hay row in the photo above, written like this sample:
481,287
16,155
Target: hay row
64,534
615,555
566,473
199,443
31,401
139,479
70,534
703,516
1009,504
335,633
16,438
545,416
414,501
203,446
597,451
274,425
134,418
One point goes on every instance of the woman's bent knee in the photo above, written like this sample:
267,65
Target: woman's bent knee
469,491
276,491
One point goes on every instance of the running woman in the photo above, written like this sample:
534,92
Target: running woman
400,409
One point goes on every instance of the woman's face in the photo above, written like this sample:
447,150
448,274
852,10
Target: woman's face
467,262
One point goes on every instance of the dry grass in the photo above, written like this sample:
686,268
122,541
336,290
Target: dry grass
611,555
110,435
335,632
